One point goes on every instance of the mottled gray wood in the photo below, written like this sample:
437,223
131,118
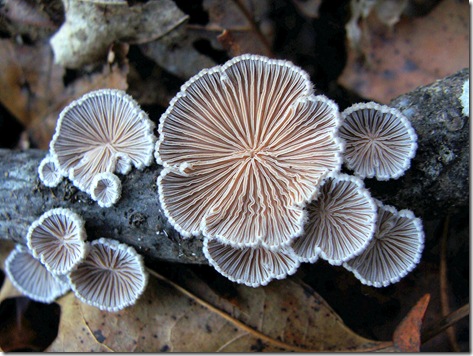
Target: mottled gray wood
136,219
436,183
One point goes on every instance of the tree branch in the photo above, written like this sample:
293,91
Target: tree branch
436,183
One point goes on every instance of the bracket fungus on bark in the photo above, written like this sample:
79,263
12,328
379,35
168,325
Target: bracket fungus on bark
32,278
394,251
341,222
57,239
111,277
379,141
252,266
49,173
103,131
244,147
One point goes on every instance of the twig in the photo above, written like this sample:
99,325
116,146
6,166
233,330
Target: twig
445,323
444,302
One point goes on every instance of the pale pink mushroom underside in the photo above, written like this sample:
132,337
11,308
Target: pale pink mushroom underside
244,146
252,266
103,131
394,251
111,277
379,141
341,222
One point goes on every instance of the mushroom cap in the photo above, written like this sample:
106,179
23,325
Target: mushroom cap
252,266
379,141
111,277
49,172
341,222
99,131
57,239
244,146
106,189
394,251
32,278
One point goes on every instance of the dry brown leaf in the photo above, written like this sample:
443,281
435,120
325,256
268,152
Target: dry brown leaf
231,28
33,89
284,316
414,52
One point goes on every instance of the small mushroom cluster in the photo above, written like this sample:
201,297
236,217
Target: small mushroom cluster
104,273
102,133
251,161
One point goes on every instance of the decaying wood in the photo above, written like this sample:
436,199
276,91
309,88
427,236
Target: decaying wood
436,183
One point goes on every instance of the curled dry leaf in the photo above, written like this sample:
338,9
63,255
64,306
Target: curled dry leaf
283,316
33,89
231,28
414,52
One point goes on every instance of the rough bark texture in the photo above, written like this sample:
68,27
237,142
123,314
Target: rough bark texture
436,183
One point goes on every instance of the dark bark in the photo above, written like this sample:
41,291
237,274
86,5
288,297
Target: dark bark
437,183
136,219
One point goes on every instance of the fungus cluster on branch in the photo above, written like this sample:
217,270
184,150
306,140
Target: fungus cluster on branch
251,162
104,273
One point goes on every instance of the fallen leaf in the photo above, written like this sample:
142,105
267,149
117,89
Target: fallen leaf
232,30
415,52
407,335
33,89
31,18
283,316
84,39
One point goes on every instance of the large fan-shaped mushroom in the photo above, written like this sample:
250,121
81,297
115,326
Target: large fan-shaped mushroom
244,147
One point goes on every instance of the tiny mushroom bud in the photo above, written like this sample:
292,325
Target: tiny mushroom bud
111,277
106,189
393,252
49,173
103,131
244,146
252,266
341,222
379,141
57,238
32,278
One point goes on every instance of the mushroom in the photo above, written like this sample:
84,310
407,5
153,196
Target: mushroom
49,173
111,277
106,189
103,131
341,222
394,251
379,141
57,239
252,266
32,278
244,146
